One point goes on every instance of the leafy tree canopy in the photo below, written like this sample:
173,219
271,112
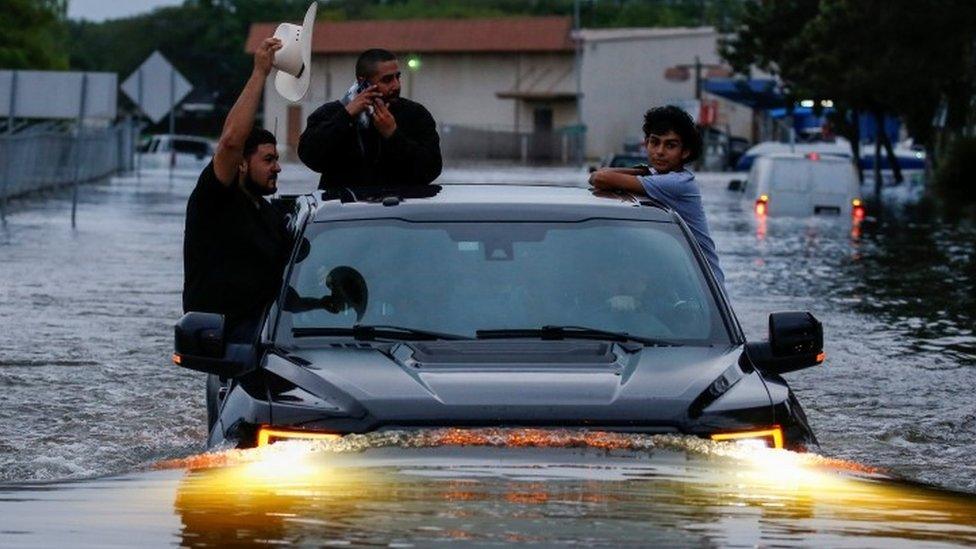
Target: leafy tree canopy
876,56
33,34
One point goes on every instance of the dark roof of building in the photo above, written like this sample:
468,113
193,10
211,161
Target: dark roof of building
503,34
498,202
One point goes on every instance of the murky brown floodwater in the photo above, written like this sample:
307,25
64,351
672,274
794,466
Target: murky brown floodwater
394,489
86,392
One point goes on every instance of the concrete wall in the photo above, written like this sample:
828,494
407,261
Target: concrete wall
458,89
623,76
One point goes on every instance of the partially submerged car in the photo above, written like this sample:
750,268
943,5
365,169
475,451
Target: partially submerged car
176,151
622,160
801,185
499,306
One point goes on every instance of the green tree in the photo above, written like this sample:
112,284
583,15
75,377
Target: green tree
33,34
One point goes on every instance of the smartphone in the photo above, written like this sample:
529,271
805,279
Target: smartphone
360,89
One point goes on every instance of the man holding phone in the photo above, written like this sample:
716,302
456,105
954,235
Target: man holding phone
372,137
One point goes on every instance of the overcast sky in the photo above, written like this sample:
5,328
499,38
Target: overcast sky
100,10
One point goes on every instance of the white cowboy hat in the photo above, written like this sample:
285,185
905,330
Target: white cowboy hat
294,59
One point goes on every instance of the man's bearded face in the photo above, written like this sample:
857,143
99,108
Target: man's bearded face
387,80
261,178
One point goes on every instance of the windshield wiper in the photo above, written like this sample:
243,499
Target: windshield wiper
365,332
570,332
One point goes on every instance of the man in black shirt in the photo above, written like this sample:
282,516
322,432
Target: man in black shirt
235,243
373,137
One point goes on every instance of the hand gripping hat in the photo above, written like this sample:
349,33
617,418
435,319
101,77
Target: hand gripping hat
294,59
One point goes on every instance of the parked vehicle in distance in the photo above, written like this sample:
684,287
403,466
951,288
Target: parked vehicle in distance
839,147
622,160
786,184
176,151
515,306
910,157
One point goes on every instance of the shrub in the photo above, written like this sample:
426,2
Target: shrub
955,178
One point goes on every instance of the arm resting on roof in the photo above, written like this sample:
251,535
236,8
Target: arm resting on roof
326,130
617,179
419,152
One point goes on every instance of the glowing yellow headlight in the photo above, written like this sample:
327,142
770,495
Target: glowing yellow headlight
773,437
267,435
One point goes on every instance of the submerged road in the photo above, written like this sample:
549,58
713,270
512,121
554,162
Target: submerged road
665,494
86,389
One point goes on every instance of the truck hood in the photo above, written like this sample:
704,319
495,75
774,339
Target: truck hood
360,387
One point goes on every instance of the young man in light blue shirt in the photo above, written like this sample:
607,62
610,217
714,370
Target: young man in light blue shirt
671,140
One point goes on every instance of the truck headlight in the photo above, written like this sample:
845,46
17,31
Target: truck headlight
762,438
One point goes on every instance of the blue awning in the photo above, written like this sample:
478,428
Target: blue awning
758,93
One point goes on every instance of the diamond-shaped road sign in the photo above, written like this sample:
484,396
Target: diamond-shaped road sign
156,87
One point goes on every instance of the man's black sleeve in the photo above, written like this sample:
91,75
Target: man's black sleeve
419,151
325,132
210,193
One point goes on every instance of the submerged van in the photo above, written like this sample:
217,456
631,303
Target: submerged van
176,151
788,184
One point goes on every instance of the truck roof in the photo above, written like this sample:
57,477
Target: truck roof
490,202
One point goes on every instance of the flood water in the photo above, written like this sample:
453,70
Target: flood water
90,404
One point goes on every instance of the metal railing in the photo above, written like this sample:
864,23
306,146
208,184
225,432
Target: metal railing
47,158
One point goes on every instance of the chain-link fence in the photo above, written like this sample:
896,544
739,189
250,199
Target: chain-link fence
36,159
548,147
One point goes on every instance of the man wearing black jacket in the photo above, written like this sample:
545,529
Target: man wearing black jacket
373,137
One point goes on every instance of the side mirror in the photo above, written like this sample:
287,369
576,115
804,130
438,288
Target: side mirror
795,342
199,345
735,185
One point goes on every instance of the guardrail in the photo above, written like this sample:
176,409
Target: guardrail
33,160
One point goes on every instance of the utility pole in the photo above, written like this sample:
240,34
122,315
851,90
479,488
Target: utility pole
8,149
697,66
578,65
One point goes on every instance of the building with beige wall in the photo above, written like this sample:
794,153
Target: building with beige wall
623,74
510,75
507,74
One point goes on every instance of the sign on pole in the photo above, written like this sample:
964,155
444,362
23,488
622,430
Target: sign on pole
156,87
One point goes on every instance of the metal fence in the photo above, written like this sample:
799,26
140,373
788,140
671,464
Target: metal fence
548,147
46,157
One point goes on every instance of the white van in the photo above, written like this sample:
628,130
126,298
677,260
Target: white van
788,184
176,151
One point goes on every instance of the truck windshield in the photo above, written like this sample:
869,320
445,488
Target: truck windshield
636,277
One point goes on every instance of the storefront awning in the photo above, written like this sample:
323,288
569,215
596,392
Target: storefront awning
758,93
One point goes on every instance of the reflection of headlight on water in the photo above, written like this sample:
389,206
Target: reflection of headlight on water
287,461
297,459
485,484
783,470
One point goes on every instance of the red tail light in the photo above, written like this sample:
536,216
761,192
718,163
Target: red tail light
857,209
762,205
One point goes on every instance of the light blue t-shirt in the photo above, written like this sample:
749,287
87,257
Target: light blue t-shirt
679,191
